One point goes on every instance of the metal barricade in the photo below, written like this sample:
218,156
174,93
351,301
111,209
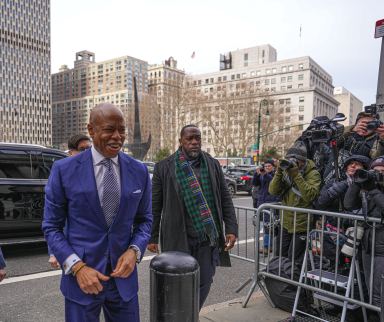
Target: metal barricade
329,282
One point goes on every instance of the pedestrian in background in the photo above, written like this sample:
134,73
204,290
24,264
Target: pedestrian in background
190,204
261,180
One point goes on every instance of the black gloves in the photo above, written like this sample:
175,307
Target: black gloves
338,188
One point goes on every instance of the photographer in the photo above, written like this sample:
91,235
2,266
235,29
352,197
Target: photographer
367,192
261,180
365,138
334,191
297,182
331,199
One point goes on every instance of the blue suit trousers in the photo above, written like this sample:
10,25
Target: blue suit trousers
114,308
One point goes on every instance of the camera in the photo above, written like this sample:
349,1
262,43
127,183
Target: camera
373,125
288,163
362,176
353,236
373,109
322,129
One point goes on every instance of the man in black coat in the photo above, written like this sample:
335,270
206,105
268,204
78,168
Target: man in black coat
190,203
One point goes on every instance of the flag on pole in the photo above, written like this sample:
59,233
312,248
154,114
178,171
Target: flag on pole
300,31
193,55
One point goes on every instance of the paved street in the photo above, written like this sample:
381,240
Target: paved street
39,299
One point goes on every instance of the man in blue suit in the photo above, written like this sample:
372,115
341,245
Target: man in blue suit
104,196
2,266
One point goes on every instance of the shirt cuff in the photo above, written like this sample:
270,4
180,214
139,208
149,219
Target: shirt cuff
69,262
138,252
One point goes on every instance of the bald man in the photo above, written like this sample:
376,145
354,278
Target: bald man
105,198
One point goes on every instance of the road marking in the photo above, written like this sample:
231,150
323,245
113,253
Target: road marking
29,277
35,276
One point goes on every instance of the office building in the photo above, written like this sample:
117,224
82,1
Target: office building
166,83
25,111
350,105
76,91
225,104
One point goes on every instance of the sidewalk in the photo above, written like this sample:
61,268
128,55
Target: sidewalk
257,310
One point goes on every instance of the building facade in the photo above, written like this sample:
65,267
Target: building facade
25,110
350,105
166,83
288,93
76,91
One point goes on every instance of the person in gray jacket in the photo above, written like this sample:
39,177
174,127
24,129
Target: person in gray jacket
192,208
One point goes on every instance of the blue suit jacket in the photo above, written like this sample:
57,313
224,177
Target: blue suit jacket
71,198
2,261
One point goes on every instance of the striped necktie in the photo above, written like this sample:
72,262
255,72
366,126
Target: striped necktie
111,192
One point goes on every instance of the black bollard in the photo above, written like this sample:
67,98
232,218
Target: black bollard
174,283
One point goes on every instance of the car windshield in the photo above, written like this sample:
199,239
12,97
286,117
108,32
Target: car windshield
237,172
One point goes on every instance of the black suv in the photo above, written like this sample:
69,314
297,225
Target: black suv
243,177
24,170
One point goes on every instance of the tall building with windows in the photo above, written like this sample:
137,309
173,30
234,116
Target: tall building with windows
166,83
350,105
76,91
25,111
288,93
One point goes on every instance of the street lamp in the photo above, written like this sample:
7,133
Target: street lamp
262,102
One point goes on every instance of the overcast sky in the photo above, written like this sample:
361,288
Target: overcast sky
337,34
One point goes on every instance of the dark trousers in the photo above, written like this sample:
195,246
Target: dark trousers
114,308
208,258
287,244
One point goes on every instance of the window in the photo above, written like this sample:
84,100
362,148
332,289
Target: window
238,76
243,75
289,79
301,99
300,86
267,71
284,69
219,79
290,68
283,79
301,117
224,78
232,76
289,86
266,82
252,74
258,73
301,66
274,70
301,108
300,77
246,56
283,88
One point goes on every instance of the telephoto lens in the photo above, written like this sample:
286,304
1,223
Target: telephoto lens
352,236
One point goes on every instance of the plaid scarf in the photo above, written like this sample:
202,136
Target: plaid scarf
198,199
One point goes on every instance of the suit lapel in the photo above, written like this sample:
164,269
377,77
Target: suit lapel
88,182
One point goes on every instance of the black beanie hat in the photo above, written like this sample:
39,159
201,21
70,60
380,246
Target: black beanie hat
297,151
